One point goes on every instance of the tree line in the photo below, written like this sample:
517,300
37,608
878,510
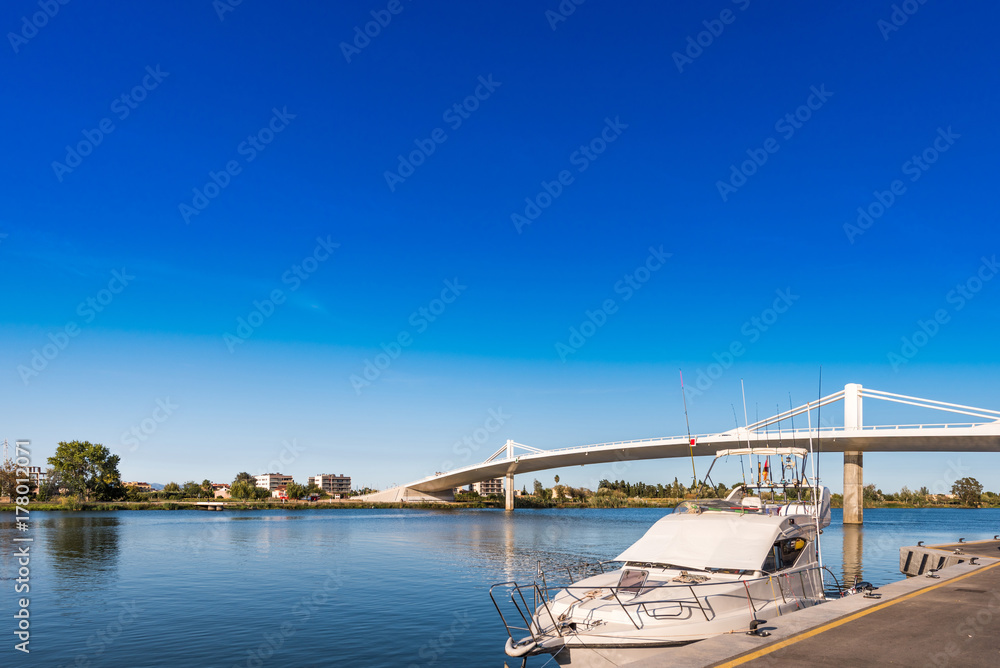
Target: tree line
89,472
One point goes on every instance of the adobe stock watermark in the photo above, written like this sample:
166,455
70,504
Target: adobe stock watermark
293,277
300,613
581,158
627,286
122,107
752,331
99,642
420,320
249,149
223,7
915,167
563,11
901,13
381,18
471,443
982,622
454,116
432,650
289,453
60,339
958,297
713,30
37,21
140,433
787,126
949,476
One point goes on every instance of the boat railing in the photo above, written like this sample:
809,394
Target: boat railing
540,620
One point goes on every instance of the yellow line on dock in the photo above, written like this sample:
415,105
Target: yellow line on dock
840,622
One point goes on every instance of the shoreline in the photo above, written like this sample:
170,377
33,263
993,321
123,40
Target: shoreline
131,506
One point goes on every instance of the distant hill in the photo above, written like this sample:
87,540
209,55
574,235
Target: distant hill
157,486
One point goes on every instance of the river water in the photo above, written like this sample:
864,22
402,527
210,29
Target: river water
345,587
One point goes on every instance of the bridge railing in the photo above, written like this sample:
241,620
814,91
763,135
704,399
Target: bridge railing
755,437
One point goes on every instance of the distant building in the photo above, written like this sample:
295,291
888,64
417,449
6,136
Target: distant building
460,490
330,483
494,486
36,475
272,481
221,490
280,493
140,486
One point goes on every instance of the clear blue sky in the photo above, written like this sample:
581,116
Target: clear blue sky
622,135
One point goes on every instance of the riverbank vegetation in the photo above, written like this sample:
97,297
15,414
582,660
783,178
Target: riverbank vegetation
84,476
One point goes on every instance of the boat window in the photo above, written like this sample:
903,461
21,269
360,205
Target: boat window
783,554
632,581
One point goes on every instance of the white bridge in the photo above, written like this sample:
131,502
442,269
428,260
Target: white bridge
853,439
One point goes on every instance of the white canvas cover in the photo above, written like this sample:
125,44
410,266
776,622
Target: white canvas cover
707,540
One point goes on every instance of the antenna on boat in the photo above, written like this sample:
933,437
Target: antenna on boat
817,502
777,411
742,469
694,474
819,422
791,411
746,423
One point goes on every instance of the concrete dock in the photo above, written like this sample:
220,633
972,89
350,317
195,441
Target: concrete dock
950,620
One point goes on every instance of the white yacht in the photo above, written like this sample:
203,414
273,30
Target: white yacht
711,567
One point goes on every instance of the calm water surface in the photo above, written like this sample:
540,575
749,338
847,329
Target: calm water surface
340,587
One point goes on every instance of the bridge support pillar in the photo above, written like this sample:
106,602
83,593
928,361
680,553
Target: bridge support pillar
854,482
509,492
854,488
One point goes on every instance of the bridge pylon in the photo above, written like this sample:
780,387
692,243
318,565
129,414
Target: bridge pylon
508,499
854,479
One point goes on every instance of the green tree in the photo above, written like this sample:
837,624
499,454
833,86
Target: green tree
50,486
89,470
243,476
241,489
206,489
294,490
539,490
968,490
872,494
557,480
8,478
191,488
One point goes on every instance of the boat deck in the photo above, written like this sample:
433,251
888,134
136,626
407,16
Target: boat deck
953,620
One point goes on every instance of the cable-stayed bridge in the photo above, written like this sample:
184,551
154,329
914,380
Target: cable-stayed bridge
853,439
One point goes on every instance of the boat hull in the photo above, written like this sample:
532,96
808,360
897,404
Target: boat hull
605,656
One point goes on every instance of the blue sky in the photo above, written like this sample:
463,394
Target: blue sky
474,184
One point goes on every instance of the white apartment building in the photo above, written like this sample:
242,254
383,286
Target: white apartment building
494,486
330,483
272,481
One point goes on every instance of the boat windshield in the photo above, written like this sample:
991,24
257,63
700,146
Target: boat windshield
714,505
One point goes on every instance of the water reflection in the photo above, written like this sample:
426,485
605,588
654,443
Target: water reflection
81,545
854,543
